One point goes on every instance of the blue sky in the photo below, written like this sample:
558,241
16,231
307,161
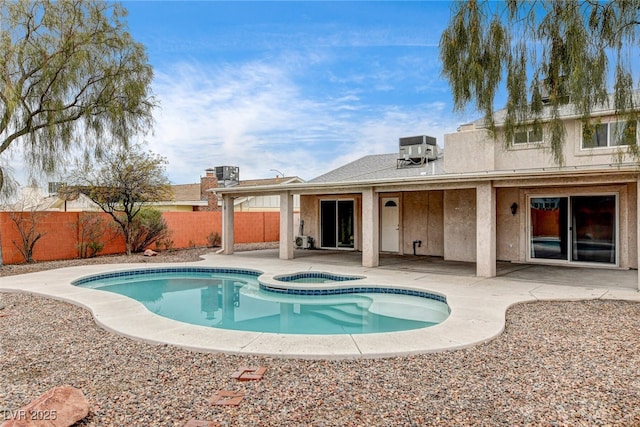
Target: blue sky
297,87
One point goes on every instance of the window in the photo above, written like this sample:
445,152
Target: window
528,136
610,134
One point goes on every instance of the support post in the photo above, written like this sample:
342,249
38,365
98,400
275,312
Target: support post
638,227
486,230
286,225
370,228
228,239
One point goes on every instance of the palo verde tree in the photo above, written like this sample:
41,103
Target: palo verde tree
545,53
123,184
71,79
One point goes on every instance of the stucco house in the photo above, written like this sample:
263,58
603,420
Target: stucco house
478,201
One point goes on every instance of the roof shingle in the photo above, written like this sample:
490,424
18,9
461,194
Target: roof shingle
379,166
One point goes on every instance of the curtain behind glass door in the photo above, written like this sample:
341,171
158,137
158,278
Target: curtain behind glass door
328,223
549,228
345,223
593,226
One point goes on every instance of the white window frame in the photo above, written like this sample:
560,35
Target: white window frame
528,256
355,224
611,125
529,133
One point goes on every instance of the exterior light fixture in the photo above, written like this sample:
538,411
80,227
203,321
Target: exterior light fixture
514,208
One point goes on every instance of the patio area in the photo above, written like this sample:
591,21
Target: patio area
550,274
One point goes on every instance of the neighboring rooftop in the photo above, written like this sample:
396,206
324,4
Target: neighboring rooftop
186,192
269,181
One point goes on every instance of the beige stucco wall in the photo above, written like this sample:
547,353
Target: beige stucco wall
435,240
508,225
445,220
469,151
472,149
309,212
491,155
422,219
414,222
460,225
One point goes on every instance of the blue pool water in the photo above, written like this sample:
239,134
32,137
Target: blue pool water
234,299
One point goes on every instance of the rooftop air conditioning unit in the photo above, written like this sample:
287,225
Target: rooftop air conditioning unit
304,242
228,176
418,148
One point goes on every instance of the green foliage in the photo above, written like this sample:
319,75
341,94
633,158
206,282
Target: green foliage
563,49
122,184
72,79
92,234
147,228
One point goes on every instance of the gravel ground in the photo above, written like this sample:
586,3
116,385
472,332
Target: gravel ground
557,363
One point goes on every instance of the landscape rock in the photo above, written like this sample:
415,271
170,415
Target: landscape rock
58,407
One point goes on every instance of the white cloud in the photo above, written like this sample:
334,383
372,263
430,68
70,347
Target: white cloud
257,116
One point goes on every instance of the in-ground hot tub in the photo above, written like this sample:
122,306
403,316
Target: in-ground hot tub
315,277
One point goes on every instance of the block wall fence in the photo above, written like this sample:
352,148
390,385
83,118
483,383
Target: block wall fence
63,232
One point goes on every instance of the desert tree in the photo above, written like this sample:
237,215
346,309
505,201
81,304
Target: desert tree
72,80
123,184
27,213
544,53
93,232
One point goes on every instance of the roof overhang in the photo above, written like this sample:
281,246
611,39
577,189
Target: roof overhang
556,176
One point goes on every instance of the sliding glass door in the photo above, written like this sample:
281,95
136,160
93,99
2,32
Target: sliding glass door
593,229
336,223
574,228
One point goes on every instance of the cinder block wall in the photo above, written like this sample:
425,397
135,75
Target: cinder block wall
62,232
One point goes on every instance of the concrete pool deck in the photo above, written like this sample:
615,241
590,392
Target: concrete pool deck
478,305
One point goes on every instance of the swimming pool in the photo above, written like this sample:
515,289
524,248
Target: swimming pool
235,299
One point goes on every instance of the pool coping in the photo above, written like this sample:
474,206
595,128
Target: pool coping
478,309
